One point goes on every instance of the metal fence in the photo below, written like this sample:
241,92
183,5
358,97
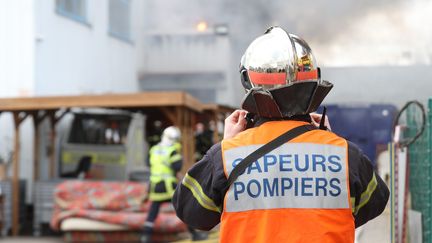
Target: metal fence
420,165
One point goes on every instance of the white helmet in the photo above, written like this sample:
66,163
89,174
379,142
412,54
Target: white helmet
170,135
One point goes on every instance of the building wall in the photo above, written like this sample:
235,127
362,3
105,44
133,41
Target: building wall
16,48
188,60
17,69
74,57
379,84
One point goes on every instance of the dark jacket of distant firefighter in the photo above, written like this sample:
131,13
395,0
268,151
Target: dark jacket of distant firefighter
318,183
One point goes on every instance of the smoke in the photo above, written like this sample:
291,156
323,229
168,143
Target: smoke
324,24
313,20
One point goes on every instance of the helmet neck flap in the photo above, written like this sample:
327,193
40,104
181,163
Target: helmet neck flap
299,98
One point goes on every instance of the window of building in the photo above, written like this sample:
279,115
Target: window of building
120,19
73,9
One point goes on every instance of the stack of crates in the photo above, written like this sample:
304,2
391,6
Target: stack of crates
420,161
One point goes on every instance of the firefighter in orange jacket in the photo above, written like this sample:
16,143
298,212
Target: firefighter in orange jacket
318,187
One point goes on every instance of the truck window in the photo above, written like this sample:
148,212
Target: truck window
99,129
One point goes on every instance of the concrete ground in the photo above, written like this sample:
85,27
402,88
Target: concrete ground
375,231
30,239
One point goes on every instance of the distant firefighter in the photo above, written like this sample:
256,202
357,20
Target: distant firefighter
165,162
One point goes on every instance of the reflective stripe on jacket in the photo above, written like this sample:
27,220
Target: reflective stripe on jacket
161,172
299,192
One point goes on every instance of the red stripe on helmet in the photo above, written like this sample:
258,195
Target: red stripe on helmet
310,75
267,78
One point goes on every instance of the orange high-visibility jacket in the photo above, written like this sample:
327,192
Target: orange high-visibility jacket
312,189
299,192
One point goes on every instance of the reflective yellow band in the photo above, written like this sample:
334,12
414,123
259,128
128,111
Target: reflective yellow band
353,204
366,195
175,158
163,176
197,192
160,196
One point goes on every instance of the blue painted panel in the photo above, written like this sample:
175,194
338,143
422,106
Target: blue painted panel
365,125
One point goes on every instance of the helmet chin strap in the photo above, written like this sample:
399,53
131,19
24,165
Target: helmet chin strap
298,98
